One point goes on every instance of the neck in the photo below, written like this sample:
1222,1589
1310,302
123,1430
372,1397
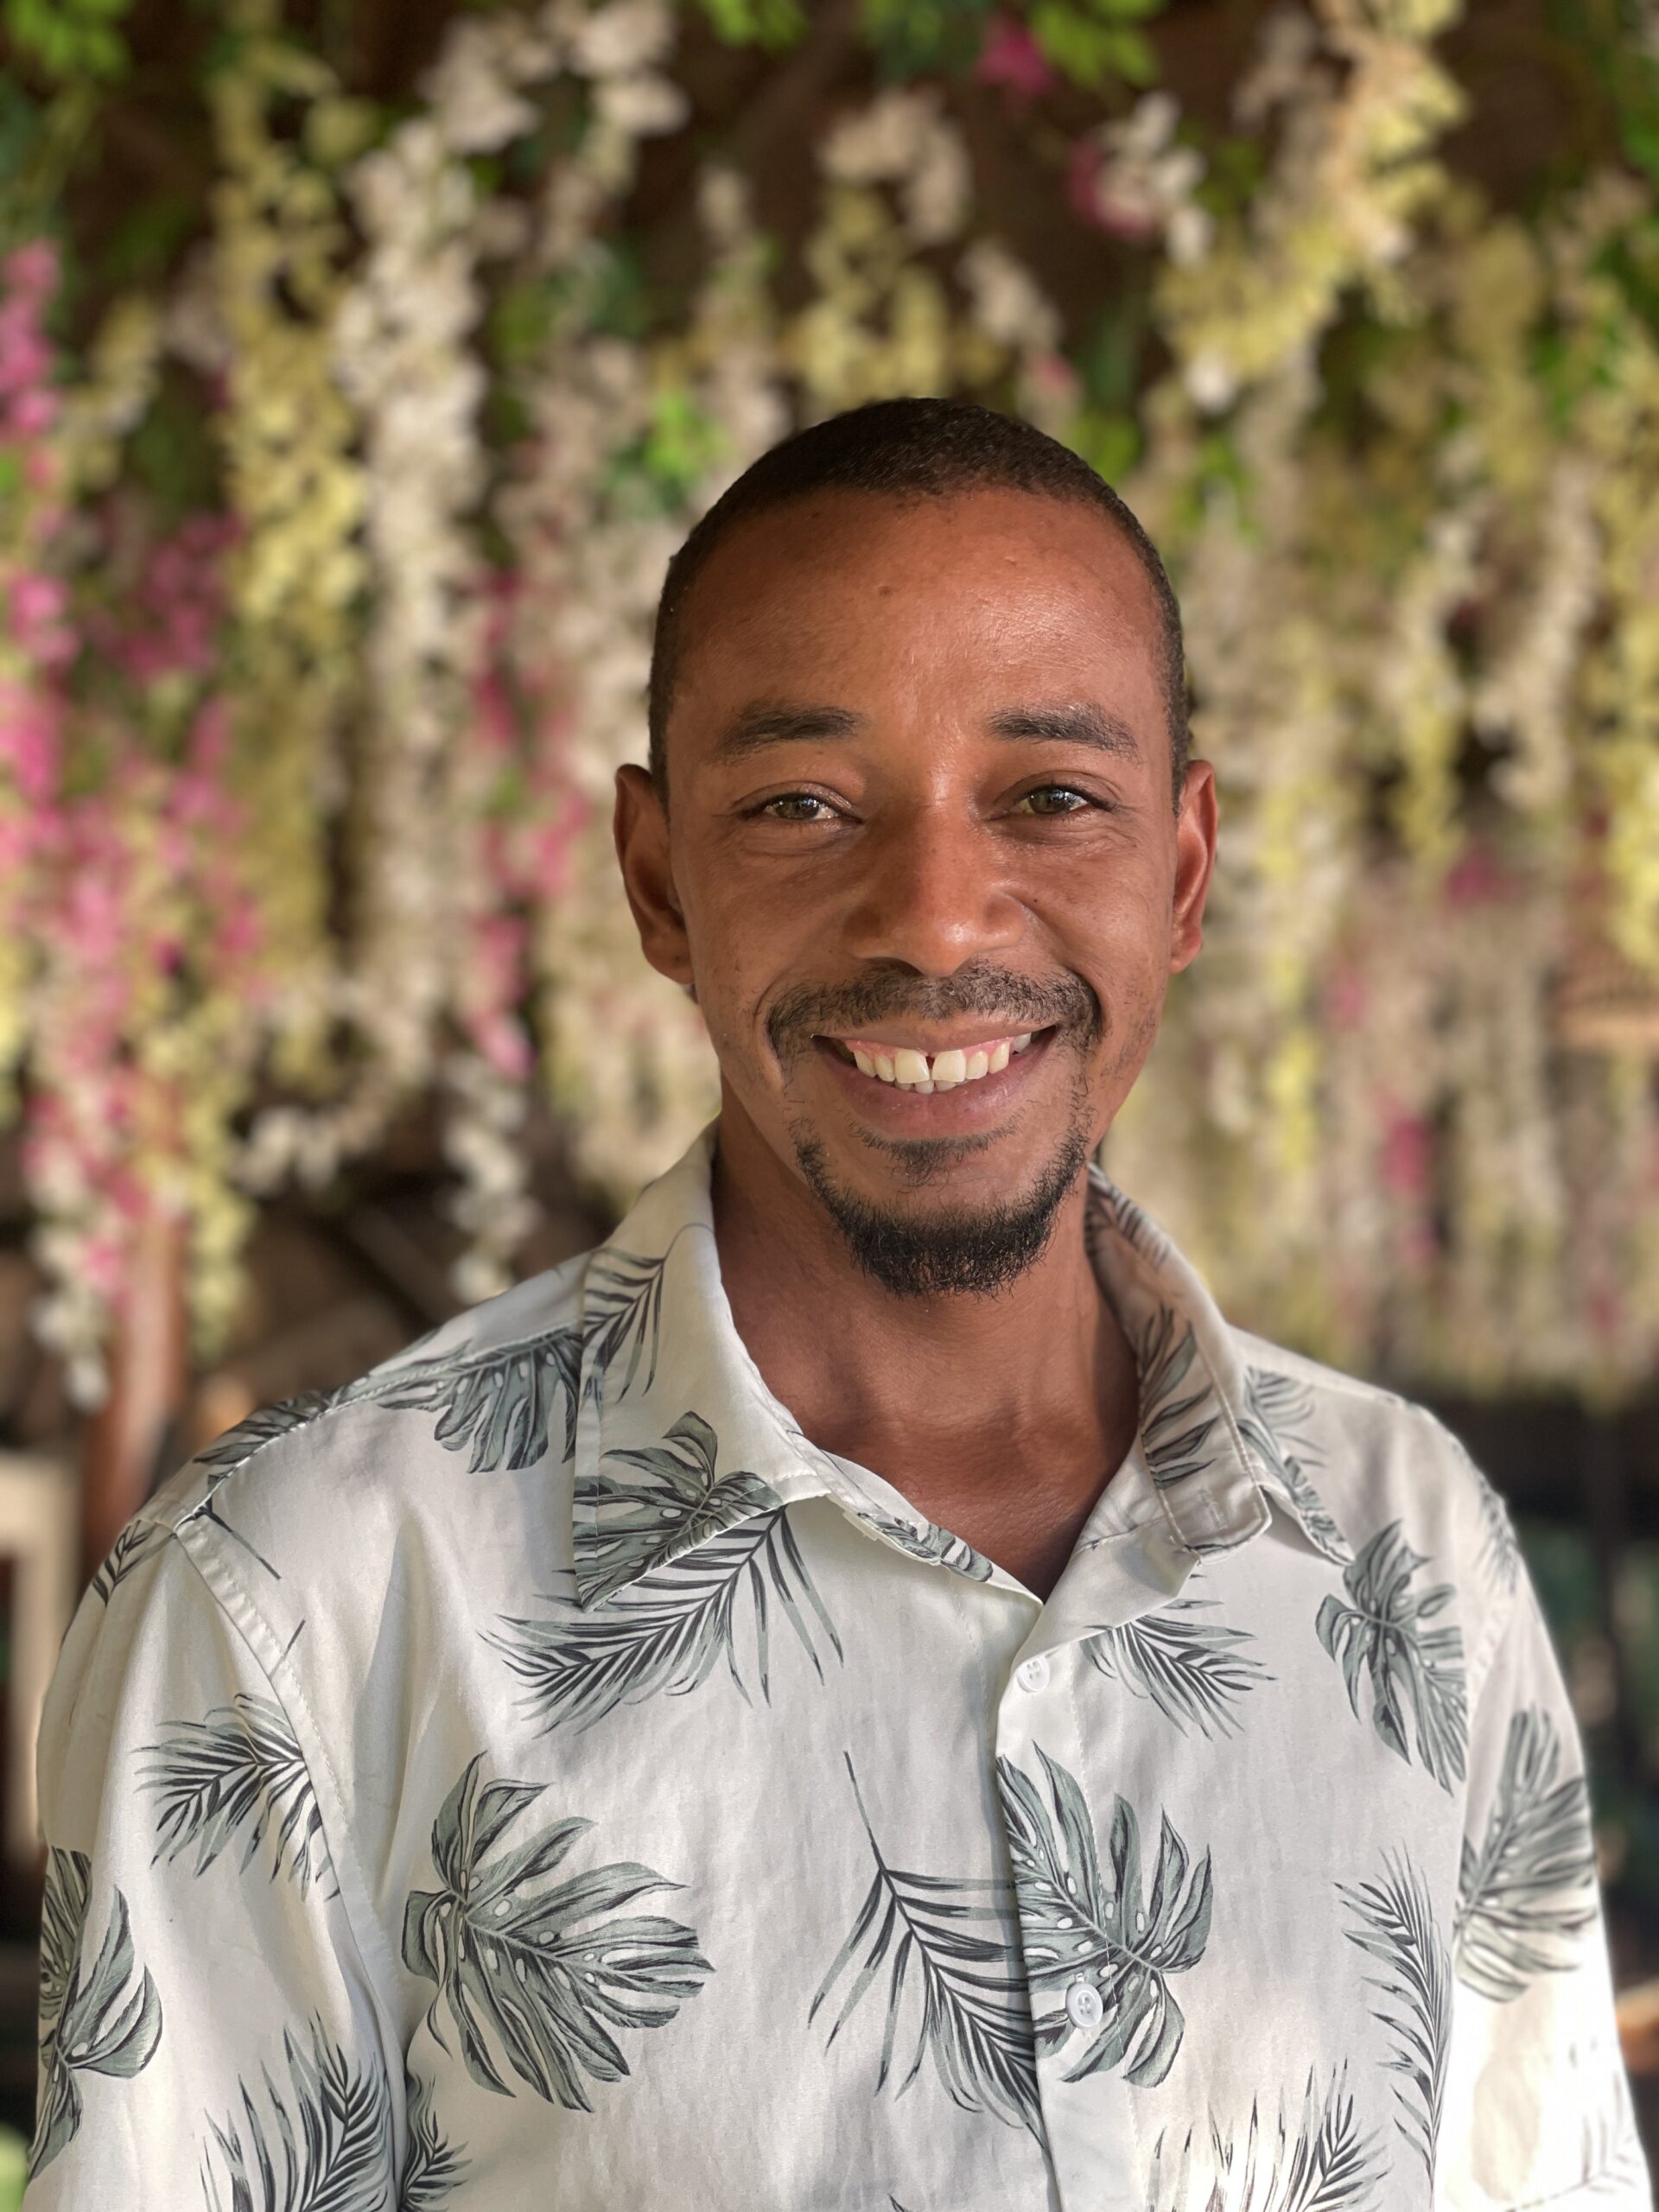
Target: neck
1001,1418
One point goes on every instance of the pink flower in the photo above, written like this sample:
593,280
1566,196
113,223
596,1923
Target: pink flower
32,269
1407,1151
1012,58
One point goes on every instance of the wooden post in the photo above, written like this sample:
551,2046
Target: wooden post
131,1434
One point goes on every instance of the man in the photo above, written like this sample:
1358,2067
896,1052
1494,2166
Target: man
865,1691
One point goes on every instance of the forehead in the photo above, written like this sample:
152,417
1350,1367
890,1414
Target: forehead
987,586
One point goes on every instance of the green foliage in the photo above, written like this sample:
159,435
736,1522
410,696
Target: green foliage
1090,42
774,24
70,39
911,37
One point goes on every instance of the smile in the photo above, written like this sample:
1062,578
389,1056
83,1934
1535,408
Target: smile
908,1067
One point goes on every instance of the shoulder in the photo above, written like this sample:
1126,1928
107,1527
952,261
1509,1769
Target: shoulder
308,1487
1393,1478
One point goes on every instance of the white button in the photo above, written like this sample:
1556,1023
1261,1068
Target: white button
1032,1674
1084,2004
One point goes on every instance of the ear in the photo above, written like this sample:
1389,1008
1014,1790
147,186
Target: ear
1195,861
640,828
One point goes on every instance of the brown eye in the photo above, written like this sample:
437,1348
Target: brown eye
795,806
1056,798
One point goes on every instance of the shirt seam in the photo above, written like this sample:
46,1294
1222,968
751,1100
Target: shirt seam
344,1862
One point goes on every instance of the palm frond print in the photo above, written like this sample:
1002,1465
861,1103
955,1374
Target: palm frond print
135,1544
1279,1425
1179,1411
938,1547
1528,1890
238,1444
1192,1670
434,2167
622,1312
667,1630
969,2010
92,2020
497,1403
240,1768
626,1527
1322,2163
1082,1921
324,2144
1393,1921
532,1977
1415,1673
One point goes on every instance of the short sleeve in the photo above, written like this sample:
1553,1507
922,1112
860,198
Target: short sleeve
204,2018
1538,2109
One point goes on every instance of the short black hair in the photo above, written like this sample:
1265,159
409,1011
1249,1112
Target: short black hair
910,449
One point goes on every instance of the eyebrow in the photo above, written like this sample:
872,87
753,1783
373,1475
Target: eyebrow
764,722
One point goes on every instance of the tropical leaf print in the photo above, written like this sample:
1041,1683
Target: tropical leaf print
1082,1922
1528,1889
1322,2163
237,1446
1394,1923
136,1541
1132,1224
433,2169
1500,1547
534,1976
676,1501
950,1941
1179,1412
92,2021
324,2146
497,1403
1192,1670
937,1546
668,1629
240,1768
1278,1424
622,1312
1415,1673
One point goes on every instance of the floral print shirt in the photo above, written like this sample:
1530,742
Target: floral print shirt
535,1774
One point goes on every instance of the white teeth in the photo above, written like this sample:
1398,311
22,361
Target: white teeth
999,1058
862,1061
950,1067
1020,1043
884,1068
911,1071
922,1090
937,1086
911,1067
979,1063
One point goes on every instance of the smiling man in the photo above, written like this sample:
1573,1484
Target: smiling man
865,1691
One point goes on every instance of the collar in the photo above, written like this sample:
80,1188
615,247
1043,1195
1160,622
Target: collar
678,1438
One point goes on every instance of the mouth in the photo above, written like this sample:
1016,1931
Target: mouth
965,1087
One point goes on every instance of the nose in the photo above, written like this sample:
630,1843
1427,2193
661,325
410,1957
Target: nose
933,892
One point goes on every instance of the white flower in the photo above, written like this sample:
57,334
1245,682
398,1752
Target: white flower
615,42
1009,305
644,105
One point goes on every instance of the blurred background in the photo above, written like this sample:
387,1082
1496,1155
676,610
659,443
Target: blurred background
362,362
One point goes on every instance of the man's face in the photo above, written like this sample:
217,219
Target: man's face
919,784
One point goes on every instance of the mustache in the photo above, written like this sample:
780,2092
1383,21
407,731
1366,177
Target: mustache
1016,1001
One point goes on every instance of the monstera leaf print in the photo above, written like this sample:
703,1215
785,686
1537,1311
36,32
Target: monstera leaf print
676,1501
326,2145
1393,1921
1179,1408
1415,1673
1192,1670
1528,1889
1279,1425
435,2166
240,1768
1322,2162
92,2019
497,1403
532,1976
1083,1921
947,1944
668,1629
